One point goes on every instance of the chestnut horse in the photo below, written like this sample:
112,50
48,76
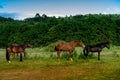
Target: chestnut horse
95,48
16,48
69,46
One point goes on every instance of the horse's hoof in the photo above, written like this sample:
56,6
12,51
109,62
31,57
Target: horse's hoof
9,61
71,59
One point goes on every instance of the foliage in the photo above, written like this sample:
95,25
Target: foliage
44,30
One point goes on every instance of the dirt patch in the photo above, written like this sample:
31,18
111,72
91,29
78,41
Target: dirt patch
49,73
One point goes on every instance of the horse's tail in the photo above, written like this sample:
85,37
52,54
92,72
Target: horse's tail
56,48
7,56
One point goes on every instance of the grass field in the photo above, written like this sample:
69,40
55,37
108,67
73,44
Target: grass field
42,64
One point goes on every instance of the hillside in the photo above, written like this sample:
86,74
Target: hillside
44,30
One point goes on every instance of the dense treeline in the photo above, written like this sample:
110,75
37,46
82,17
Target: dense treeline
43,30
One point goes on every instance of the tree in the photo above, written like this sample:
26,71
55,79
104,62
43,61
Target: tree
37,15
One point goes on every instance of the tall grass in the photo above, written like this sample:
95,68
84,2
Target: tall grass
48,52
42,64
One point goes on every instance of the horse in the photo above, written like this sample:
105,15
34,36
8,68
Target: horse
16,48
95,48
68,46
15,44
24,48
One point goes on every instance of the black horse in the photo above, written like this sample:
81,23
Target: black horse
95,48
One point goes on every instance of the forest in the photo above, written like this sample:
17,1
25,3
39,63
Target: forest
42,30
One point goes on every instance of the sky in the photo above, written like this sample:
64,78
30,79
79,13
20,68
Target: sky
20,9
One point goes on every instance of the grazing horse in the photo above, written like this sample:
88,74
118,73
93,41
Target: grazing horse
70,46
95,48
16,48
24,46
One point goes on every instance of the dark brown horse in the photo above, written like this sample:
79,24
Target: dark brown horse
16,48
95,48
70,46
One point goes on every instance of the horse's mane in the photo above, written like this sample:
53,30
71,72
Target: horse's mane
102,43
99,44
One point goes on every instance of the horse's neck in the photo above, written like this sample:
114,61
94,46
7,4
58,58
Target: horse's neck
24,46
74,44
102,46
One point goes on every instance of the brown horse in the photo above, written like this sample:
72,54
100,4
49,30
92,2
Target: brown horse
24,48
16,48
70,46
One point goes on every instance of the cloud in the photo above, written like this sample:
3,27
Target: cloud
22,16
9,15
18,16
115,10
112,10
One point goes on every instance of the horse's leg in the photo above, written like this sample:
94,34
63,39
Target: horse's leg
8,56
13,55
17,54
25,53
58,54
85,52
70,55
20,56
98,55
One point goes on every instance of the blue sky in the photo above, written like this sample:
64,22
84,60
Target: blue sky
20,9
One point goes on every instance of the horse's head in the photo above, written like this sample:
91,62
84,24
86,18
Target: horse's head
107,45
80,43
29,46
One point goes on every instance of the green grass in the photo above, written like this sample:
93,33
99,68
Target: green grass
42,64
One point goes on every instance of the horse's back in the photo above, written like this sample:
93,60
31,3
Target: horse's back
63,47
58,46
93,48
14,48
17,49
